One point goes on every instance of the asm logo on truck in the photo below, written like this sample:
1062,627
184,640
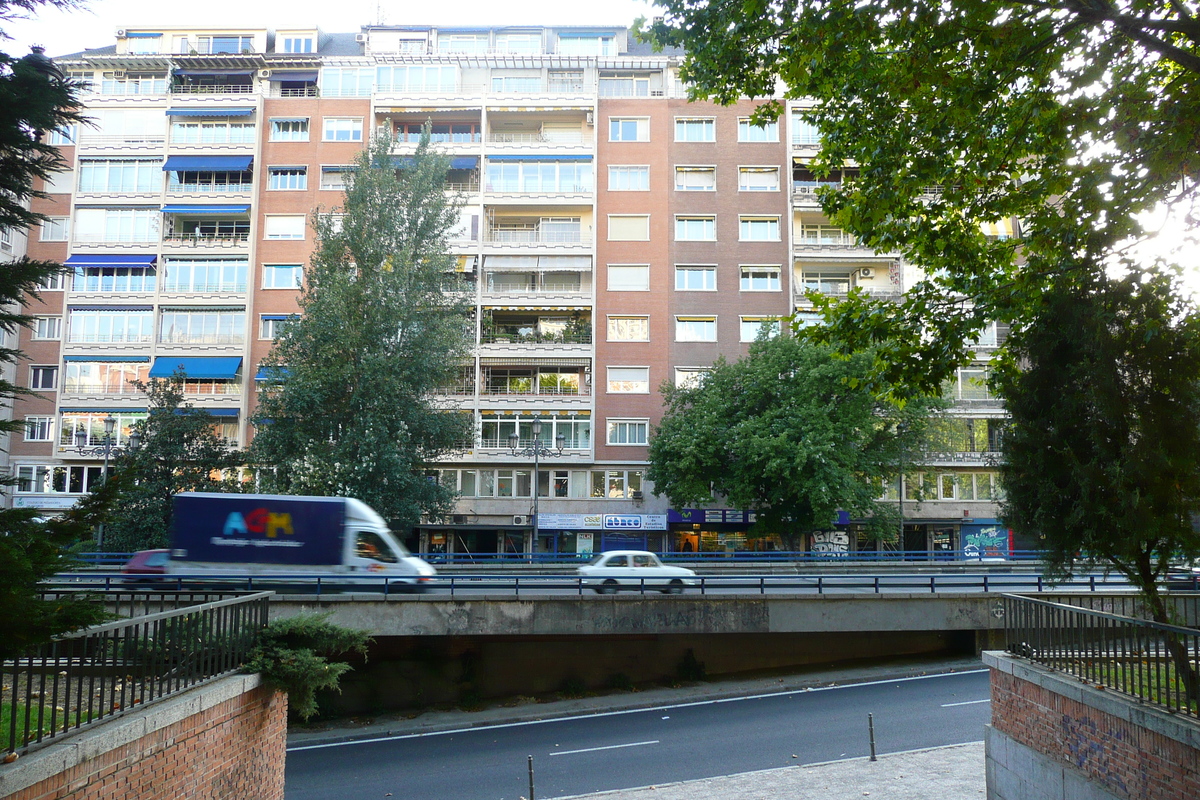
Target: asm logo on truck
260,521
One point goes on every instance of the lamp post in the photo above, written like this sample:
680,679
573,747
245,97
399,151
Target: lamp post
537,450
106,448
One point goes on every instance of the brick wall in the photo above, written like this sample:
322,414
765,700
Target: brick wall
229,744
1131,750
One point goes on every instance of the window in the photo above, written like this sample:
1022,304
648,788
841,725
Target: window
696,279
629,227
287,178
117,224
130,325
757,133
628,178
629,329
47,327
628,129
333,179
206,275
43,377
629,380
120,175
39,429
627,431
291,129
629,277
753,326
690,377
695,229
280,226
104,377
270,325
282,276
760,279
343,129
296,43
695,329
115,279
56,229
616,484
758,179
696,129
202,326
758,229
695,179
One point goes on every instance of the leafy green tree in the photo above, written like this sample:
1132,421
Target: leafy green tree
791,432
381,328
1073,116
1102,454
180,451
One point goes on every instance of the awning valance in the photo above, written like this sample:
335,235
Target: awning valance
222,368
240,111
207,163
194,209
127,260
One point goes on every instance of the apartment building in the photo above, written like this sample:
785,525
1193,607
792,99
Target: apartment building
614,237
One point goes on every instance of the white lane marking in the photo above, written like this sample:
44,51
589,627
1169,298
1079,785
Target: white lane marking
624,711
965,703
594,749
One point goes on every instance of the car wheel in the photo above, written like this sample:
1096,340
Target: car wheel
608,587
675,587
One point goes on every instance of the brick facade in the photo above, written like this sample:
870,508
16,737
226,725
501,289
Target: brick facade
232,749
1131,755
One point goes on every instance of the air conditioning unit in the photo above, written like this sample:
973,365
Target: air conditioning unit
264,73
361,38
458,519
866,272
520,519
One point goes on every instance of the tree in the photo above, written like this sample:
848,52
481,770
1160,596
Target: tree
1102,454
1073,116
381,328
180,451
790,432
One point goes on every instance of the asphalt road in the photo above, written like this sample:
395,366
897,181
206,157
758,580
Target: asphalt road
625,749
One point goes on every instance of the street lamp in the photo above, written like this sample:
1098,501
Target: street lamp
537,450
106,448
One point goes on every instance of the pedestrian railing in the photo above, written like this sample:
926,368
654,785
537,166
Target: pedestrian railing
81,678
1150,661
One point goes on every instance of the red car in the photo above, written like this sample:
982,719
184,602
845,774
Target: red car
147,562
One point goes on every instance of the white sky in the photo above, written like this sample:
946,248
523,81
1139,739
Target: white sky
96,24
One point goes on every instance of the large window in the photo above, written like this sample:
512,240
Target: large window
628,178
185,131
747,132
695,229
417,78
695,279
104,377
628,227
203,326
572,177
627,431
628,129
287,178
343,129
205,275
115,279
629,380
695,179
628,329
289,129
117,224
696,129
282,276
120,175
86,325
628,277
695,329
758,229
760,279
758,179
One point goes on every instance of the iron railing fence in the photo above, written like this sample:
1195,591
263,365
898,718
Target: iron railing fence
74,680
1150,661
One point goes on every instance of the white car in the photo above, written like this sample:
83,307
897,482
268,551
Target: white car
633,569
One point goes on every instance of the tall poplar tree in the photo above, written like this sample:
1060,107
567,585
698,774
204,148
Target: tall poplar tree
351,410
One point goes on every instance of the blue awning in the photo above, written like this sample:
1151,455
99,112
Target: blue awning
240,111
464,162
223,368
280,77
539,158
120,359
212,412
128,260
207,163
271,374
198,209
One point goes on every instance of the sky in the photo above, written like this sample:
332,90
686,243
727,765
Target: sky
95,25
